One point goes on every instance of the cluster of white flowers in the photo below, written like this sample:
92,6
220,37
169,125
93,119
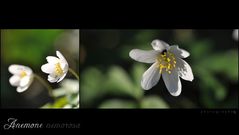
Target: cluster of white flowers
22,78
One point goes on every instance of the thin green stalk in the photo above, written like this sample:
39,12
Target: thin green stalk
49,88
74,73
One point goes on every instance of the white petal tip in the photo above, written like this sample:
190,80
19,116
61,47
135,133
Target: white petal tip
58,53
132,53
44,68
191,79
155,42
176,94
51,81
22,89
58,81
145,86
159,45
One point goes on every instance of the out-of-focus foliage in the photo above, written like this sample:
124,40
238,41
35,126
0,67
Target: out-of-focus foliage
34,44
212,66
117,103
111,79
117,82
66,96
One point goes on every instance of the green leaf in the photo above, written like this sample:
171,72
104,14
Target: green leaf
137,73
226,63
153,102
73,99
118,82
212,90
92,85
118,104
59,103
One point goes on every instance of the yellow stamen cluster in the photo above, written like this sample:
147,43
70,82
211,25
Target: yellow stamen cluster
23,74
166,60
58,69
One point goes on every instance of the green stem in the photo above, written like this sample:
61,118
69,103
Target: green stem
74,73
49,88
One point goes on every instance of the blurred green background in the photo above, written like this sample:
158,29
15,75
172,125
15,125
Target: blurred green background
30,47
111,79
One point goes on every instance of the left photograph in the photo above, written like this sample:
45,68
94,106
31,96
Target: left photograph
40,68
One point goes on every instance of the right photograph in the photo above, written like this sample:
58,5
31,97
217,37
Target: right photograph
159,68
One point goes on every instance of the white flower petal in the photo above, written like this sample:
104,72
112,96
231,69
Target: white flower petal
178,51
22,89
52,59
17,69
48,68
64,67
184,70
150,77
14,69
51,78
14,80
144,56
61,78
159,45
24,81
172,83
61,57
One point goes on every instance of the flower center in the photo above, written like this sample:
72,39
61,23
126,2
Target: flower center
58,69
166,60
23,74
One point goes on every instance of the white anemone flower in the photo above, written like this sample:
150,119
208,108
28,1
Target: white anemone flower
235,34
167,61
22,77
57,68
